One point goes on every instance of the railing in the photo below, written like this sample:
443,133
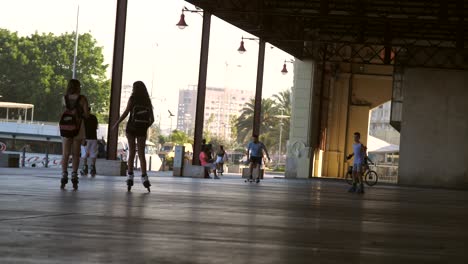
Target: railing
387,173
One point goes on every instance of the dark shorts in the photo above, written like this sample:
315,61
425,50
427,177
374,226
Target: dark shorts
136,132
256,160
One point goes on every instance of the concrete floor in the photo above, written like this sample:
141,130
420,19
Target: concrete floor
227,221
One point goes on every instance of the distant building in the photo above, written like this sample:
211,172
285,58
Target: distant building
380,127
126,92
221,104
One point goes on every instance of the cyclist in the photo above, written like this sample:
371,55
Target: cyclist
359,153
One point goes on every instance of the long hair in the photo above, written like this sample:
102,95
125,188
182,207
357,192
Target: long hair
74,87
140,94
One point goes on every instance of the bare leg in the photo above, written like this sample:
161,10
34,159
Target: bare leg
76,147
141,142
131,153
355,177
66,149
252,165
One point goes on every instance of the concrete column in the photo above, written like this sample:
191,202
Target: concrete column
116,82
337,124
299,150
434,129
258,89
201,89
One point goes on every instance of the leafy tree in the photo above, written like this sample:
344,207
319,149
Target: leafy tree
279,104
244,122
154,133
180,137
283,105
35,69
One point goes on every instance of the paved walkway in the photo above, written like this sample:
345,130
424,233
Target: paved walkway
225,221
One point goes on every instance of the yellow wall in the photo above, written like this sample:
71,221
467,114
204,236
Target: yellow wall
368,91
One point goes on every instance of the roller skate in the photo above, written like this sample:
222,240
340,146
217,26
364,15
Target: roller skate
74,180
84,170
129,181
249,180
93,170
64,180
146,183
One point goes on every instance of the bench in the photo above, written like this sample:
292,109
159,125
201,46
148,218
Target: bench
9,160
194,171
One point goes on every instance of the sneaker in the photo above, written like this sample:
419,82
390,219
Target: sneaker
352,189
257,180
217,178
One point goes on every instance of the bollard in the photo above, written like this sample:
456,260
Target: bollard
47,157
149,167
23,159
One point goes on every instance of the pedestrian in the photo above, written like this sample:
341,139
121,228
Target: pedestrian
140,109
206,162
221,157
72,130
254,156
90,147
359,153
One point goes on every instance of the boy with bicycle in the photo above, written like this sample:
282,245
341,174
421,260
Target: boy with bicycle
360,160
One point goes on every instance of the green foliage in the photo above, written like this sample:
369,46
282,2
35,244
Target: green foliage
180,137
279,104
154,134
245,121
35,69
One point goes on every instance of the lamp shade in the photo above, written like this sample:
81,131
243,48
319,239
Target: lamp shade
182,23
284,71
241,49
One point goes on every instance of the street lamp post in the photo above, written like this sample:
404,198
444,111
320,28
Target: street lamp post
76,43
281,117
279,148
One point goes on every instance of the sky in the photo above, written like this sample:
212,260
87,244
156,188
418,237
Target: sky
157,52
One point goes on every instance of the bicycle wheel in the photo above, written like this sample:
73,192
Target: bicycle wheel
349,178
371,178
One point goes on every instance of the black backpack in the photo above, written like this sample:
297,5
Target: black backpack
70,120
141,117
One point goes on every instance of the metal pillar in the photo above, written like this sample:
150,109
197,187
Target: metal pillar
116,85
201,92
259,87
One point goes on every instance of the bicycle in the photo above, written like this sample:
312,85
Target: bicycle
370,177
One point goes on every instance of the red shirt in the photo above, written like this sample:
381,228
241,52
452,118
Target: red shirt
203,158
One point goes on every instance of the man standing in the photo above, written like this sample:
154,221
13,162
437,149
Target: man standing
254,156
359,153
89,149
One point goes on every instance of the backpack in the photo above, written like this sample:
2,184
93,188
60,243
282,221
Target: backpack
141,117
70,121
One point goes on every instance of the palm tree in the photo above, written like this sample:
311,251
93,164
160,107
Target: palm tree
268,121
283,105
